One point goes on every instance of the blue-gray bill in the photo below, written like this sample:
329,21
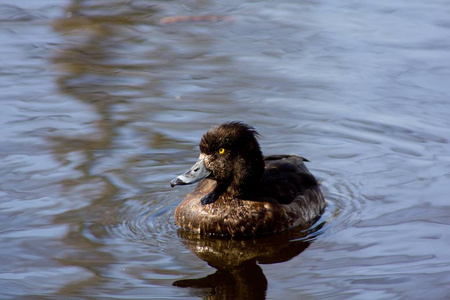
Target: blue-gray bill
196,173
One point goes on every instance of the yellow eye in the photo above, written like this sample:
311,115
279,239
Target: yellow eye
221,151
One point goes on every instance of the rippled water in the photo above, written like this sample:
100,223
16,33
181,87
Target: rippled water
104,102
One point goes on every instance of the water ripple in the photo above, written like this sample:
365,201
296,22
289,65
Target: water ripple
143,222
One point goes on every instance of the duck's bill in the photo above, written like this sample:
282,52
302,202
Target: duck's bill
196,173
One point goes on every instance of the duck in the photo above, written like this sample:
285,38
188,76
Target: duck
241,193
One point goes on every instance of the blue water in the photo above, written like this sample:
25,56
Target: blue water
102,104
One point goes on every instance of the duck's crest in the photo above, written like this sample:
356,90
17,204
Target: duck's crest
229,134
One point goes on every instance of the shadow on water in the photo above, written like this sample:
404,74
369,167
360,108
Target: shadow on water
238,275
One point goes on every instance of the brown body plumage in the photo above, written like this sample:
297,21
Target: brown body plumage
244,194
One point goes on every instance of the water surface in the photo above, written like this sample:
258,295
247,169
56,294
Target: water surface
103,103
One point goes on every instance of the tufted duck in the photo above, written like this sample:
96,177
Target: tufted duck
242,193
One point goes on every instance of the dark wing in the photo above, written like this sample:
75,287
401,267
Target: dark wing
285,178
281,156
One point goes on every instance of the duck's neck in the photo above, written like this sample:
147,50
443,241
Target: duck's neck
247,176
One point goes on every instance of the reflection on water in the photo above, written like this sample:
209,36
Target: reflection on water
238,274
103,103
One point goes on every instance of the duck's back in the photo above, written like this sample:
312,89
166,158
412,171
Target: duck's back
287,181
286,177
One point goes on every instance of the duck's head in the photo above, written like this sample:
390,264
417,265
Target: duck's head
230,155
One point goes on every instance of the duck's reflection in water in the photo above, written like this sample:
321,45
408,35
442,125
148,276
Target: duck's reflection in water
238,274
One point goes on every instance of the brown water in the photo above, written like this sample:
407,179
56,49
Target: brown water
103,103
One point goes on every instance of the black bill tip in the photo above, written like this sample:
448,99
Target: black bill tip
177,181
